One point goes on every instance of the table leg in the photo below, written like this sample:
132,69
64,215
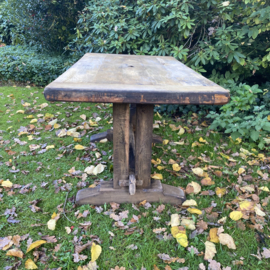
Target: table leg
144,129
151,190
120,143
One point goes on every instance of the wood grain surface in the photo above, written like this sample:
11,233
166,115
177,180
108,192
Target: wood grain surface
134,79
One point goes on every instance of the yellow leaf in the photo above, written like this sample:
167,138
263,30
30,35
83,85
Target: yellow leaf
77,139
194,211
92,123
226,239
198,171
160,168
26,104
165,142
157,176
54,215
30,137
264,189
56,126
29,264
241,170
7,183
79,147
175,220
196,187
180,143
22,133
33,121
188,223
49,147
35,245
51,224
210,250
43,105
220,191
95,252
103,140
181,131
189,203
20,111
268,117
236,215
62,133
15,253
156,162
176,167
246,205
174,231
202,140
182,239
258,211
213,235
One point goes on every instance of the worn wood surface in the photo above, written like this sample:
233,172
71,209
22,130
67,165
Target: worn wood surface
143,144
134,79
120,143
132,135
105,193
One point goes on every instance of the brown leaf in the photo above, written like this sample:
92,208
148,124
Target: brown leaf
226,239
210,250
15,253
49,239
79,249
161,208
202,225
266,253
16,240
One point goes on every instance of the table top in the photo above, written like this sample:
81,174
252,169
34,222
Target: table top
117,78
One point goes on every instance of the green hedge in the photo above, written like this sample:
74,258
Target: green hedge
22,64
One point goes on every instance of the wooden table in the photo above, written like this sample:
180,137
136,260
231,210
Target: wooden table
141,81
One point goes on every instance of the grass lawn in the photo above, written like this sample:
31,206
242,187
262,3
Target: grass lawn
42,177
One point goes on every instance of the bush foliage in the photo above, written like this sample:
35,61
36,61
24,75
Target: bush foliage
22,64
48,24
206,34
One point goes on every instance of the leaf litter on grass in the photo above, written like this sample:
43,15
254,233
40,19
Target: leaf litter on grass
226,185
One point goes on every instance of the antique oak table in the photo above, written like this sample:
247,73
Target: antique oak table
133,84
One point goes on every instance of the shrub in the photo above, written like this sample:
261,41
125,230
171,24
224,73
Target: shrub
48,24
225,36
22,64
242,117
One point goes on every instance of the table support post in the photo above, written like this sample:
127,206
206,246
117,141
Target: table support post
143,144
120,143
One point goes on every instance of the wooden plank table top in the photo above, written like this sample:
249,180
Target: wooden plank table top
116,78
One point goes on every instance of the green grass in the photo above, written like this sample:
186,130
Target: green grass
46,168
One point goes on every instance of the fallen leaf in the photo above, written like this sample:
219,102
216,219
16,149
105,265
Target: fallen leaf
198,171
246,205
266,253
189,203
95,251
175,220
210,250
196,187
241,170
7,183
207,181
182,239
194,211
213,235
51,224
98,169
226,239
236,215
29,264
157,176
220,191
35,244
79,147
188,223
176,167
15,253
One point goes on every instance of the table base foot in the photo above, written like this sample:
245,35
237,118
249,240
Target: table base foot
105,193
